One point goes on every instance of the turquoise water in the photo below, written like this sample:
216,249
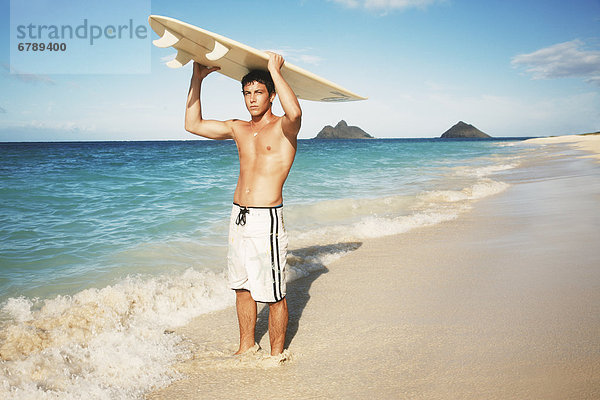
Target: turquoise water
72,211
139,229
69,207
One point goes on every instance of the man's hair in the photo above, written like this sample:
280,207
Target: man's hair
260,76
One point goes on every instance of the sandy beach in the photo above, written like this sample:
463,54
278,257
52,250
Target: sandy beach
501,303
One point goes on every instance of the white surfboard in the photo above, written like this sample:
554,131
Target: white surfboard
236,59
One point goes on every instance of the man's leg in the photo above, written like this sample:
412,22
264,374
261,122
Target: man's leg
278,320
246,312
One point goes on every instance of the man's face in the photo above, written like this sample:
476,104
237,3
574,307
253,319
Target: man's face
257,98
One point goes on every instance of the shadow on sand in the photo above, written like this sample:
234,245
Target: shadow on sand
298,290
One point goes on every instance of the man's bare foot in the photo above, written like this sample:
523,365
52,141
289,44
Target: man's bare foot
246,349
282,357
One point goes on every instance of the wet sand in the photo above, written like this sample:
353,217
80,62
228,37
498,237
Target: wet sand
502,303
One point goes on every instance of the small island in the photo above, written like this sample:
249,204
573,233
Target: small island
342,131
464,131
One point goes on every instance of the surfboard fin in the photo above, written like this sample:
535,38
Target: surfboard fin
168,39
180,60
218,51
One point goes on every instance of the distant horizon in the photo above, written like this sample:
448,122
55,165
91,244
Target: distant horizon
299,139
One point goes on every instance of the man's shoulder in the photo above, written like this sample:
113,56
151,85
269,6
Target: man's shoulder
237,123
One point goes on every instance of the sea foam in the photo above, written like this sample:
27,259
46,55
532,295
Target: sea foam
117,341
108,343
391,215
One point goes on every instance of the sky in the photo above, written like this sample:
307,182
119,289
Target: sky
510,68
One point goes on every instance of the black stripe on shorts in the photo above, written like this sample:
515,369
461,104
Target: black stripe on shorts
275,262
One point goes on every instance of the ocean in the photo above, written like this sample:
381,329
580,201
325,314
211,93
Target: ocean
107,246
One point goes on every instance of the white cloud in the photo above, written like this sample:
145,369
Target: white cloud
69,126
386,5
347,3
167,58
29,78
562,60
595,80
298,55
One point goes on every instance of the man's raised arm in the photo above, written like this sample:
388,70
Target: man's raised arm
290,123
194,123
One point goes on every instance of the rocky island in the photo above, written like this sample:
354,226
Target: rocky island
342,131
464,131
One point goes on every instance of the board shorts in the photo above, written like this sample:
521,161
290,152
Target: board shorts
257,254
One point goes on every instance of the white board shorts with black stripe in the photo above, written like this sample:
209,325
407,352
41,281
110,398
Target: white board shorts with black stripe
257,252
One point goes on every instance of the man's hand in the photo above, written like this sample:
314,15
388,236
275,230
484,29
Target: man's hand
202,71
275,62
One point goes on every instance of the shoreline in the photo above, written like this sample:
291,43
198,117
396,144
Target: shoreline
502,302
589,143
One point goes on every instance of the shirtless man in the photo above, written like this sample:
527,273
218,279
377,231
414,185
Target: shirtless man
257,238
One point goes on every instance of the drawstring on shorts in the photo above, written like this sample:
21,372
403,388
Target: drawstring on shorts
241,218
